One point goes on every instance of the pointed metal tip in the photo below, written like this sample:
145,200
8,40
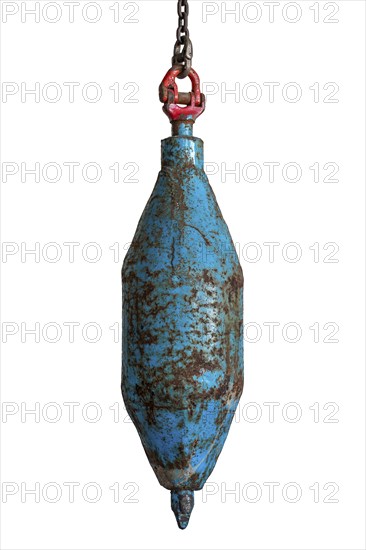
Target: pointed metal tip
182,506
182,524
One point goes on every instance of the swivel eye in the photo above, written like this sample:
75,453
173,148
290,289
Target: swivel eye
174,100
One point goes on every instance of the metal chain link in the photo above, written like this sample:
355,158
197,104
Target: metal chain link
183,12
183,49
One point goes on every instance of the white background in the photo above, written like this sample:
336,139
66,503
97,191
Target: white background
304,445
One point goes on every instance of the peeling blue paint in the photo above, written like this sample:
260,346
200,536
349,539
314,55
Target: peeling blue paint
182,361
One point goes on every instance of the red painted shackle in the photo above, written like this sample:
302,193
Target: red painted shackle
173,99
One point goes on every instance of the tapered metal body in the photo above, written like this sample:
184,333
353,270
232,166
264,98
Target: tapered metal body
182,324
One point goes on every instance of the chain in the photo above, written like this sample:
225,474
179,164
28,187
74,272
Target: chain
183,49
183,12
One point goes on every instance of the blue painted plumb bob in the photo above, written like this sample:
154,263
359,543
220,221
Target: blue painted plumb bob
182,360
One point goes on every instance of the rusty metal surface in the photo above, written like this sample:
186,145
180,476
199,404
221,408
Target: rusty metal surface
182,324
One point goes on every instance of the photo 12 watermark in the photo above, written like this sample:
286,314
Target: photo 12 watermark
81,11
70,412
69,492
270,12
271,492
271,252
265,332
